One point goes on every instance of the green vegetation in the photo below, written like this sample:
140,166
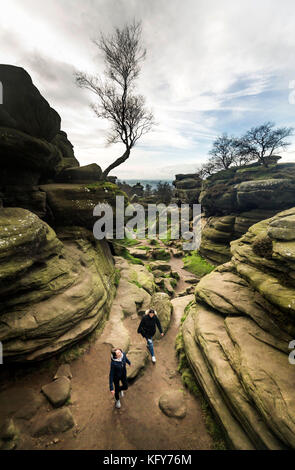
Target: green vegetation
154,241
161,254
194,263
117,276
190,383
136,283
127,242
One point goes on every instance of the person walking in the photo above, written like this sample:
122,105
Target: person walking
118,374
147,328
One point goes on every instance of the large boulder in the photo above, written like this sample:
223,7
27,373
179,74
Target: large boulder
58,391
84,174
66,149
53,293
162,304
73,204
26,159
236,336
237,198
187,188
56,421
24,108
172,403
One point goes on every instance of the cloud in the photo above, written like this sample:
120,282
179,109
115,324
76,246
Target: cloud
211,67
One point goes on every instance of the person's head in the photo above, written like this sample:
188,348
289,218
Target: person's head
151,312
117,353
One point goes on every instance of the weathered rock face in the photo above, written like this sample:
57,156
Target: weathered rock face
67,150
73,204
33,149
84,174
235,199
237,334
24,108
52,292
172,404
188,188
163,306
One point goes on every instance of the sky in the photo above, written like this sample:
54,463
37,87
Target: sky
211,67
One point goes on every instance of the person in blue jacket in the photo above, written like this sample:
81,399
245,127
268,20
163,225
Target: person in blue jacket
118,374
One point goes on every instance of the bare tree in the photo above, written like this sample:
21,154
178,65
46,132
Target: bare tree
224,152
130,120
262,141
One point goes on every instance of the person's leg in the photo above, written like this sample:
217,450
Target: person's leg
124,383
150,346
117,389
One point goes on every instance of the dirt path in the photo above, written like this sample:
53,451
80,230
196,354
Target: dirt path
139,424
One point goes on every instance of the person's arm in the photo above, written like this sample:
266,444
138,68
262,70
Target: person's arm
127,360
140,329
159,325
111,378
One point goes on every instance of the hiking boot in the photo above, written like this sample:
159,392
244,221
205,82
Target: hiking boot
118,404
153,359
121,394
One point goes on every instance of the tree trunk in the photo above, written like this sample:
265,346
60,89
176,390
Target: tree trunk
116,163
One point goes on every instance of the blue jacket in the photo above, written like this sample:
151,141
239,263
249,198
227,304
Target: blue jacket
118,369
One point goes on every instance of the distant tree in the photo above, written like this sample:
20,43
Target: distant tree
262,141
164,192
207,169
224,152
117,103
148,190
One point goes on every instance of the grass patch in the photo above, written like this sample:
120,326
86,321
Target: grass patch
117,276
128,242
136,283
194,263
132,259
189,381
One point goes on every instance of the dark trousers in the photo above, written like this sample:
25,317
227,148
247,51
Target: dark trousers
119,387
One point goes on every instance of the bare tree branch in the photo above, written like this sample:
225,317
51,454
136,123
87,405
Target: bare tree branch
129,119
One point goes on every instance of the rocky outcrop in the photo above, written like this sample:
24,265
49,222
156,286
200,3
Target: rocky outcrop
33,149
66,149
164,308
172,404
236,337
73,204
24,108
84,174
53,293
187,188
235,199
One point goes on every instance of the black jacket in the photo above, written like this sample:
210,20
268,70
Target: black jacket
118,370
147,326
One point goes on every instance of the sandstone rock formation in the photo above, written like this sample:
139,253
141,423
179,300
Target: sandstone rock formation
188,188
172,404
24,108
237,198
53,293
162,304
237,333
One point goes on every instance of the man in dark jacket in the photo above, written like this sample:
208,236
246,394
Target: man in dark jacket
147,328
118,373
